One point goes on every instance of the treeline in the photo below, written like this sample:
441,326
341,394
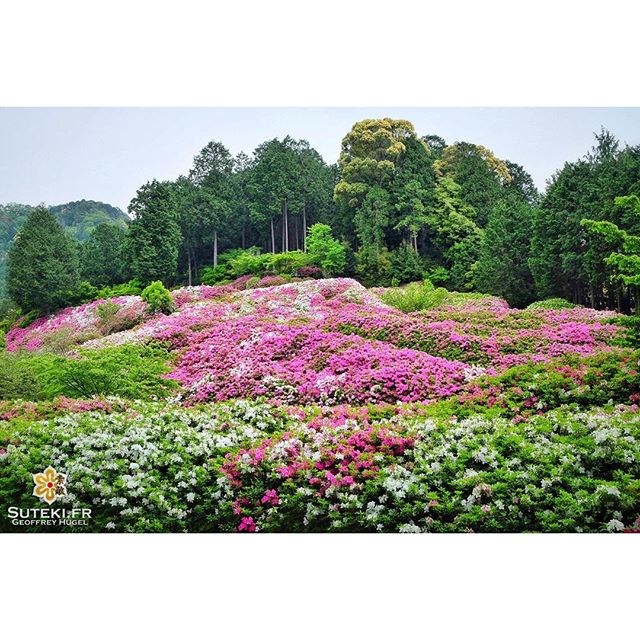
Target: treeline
402,207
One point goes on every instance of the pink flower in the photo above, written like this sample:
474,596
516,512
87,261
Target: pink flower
247,524
270,497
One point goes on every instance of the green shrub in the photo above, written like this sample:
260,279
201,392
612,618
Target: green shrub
373,267
288,263
630,337
131,288
127,371
214,275
158,298
552,303
417,296
438,275
18,379
248,262
84,292
325,250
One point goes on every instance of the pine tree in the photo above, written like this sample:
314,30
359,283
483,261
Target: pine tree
503,269
154,235
42,265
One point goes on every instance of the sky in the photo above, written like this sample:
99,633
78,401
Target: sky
56,155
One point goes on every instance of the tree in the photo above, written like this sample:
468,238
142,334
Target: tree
372,219
275,187
479,173
370,153
43,264
326,250
102,256
154,235
564,261
316,186
502,268
624,256
213,198
412,191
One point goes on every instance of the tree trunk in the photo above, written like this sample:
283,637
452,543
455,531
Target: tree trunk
296,232
273,238
286,227
243,235
215,248
189,263
304,226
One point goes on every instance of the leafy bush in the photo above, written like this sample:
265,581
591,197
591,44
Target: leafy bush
325,250
214,275
246,466
630,337
552,303
310,272
128,371
417,296
288,263
131,288
438,275
158,298
248,262
84,292
374,268
18,379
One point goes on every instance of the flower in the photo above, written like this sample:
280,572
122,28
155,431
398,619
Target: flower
247,524
270,497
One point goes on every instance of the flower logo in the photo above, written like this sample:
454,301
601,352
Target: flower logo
49,485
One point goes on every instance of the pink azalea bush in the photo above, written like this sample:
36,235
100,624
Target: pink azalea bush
331,341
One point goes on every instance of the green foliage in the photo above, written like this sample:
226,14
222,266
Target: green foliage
43,264
417,296
373,267
463,259
154,236
127,371
631,337
502,267
569,259
158,298
552,303
102,256
406,264
325,250
288,263
625,261
131,288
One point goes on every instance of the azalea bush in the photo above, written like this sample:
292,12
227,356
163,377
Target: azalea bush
250,467
268,403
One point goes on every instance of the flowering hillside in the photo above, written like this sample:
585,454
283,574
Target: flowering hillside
315,406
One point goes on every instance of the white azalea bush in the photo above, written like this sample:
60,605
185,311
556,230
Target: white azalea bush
249,466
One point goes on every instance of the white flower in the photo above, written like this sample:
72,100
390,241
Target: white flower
615,525
110,525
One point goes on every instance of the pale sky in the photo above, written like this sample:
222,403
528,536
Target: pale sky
55,155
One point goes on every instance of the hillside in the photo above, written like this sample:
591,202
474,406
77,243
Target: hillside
315,406
79,217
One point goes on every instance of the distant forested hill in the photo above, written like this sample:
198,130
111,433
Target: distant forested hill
79,217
